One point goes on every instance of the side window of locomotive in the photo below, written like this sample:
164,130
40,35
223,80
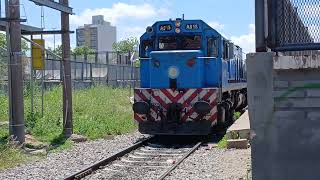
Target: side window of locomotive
213,47
225,50
146,48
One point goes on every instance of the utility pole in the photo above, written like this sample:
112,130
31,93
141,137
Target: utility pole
15,73
67,89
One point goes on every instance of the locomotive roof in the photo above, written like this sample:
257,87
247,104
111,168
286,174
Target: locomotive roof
172,21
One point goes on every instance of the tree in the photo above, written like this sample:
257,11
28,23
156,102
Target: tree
127,45
58,50
3,53
81,50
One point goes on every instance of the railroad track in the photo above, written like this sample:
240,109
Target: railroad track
143,159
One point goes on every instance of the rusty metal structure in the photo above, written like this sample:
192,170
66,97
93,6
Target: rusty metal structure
12,25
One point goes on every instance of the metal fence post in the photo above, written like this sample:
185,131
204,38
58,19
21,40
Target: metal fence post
75,65
128,58
118,58
85,60
91,78
107,57
123,78
260,22
107,74
82,70
96,58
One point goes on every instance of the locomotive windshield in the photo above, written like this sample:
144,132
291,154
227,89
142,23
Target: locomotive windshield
180,43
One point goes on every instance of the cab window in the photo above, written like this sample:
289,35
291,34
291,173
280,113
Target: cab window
180,43
225,50
146,48
213,47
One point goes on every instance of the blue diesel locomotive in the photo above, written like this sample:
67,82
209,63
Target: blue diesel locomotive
192,79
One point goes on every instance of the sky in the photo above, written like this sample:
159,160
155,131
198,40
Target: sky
232,18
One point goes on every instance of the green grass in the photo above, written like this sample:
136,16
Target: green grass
9,156
222,144
97,112
3,107
236,115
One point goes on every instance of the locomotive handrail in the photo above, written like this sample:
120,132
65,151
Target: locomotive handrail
145,58
197,58
206,57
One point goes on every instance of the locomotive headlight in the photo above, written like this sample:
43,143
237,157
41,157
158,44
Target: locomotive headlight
178,30
173,72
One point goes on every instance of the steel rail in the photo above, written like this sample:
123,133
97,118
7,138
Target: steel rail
89,170
165,174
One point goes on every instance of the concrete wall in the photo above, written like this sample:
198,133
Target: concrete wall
284,109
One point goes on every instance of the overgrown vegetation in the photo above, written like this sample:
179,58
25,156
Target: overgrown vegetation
3,107
127,45
9,156
82,50
236,115
98,112
222,144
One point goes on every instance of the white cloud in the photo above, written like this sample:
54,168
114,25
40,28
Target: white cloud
119,11
246,41
136,31
50,42
216,25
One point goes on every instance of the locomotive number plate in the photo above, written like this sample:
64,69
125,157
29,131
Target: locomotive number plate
192,26
166,27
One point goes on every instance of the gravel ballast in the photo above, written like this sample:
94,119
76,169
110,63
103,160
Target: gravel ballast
214,164
204,164
59,165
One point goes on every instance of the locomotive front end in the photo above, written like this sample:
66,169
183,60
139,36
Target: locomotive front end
175,111
176,102
176,96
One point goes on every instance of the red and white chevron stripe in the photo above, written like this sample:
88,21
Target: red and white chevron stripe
161,98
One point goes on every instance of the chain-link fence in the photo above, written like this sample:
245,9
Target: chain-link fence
298,23
107,68
290,25
3,70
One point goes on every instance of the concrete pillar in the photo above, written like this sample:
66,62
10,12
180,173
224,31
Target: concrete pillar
284,106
